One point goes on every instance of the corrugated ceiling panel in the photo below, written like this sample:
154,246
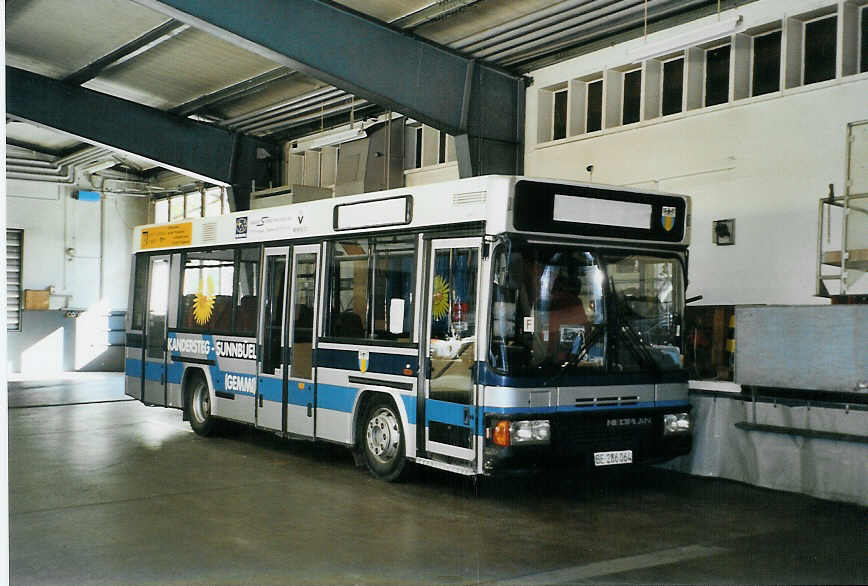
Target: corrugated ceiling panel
56,38
385,9
275,92
479,17
186,66
38,136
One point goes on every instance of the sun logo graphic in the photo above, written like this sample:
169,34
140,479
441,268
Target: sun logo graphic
440,304
203,303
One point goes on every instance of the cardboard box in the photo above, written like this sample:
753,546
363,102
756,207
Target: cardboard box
36,299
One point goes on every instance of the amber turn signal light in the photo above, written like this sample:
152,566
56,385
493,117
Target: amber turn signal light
501,433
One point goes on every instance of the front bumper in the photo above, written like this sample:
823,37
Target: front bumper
576,436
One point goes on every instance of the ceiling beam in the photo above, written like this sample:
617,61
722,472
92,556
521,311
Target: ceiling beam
154,37
193,148
380,63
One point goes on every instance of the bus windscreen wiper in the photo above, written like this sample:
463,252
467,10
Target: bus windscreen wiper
638,346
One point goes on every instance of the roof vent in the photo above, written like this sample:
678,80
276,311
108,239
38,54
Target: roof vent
469,199
209,232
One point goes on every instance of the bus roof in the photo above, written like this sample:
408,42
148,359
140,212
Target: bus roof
504,203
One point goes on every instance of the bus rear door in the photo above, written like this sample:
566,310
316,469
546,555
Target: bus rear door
271,382
301,340
154,389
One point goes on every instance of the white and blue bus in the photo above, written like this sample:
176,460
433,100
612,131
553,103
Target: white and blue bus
482,325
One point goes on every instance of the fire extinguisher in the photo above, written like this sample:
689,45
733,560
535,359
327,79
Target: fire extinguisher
459,316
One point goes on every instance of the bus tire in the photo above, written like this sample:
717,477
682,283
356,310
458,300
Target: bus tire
382,441
199,407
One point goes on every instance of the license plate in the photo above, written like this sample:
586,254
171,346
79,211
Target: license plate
611,458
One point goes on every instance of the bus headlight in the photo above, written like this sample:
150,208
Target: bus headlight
511,433
674,423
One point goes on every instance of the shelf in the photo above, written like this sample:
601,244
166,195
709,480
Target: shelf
858,259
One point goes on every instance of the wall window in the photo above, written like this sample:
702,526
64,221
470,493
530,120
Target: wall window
371,288
863,37
820,49
220,290
441,147
717,75
673,86
594,106
193,205
559,118
766,63
14,249
176,208
418,148
632,96
161,211
213,202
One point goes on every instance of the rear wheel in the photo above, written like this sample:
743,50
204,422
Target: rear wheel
199,408
383,441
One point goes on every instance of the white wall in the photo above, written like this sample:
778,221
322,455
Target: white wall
99,234
764,161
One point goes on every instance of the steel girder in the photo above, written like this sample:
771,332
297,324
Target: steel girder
193,148
480,104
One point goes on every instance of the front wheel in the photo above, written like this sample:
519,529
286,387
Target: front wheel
383,441
199,408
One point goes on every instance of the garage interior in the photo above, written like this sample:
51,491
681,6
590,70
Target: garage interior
127,112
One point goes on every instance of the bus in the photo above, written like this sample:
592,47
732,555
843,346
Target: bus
481,326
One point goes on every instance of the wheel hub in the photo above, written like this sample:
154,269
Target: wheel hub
383,435
201,404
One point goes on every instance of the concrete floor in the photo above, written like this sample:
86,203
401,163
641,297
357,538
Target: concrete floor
113,492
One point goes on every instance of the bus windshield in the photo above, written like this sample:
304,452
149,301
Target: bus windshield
559,309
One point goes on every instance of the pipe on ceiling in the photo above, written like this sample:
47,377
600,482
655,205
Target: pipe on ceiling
298,121
314,110
478,38
597,12
280,106
592,30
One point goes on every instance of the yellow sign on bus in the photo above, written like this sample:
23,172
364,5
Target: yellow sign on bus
163,236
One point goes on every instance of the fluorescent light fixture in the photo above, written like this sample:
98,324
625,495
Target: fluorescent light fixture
330,139
98,166
696,36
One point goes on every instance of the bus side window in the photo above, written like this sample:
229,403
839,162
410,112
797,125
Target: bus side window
140,292
208,283
371,285
247,291
348,289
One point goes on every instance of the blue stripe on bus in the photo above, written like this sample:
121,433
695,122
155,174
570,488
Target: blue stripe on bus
336,398
378,362
450,413
299,392
342,399
410,408
133,367
271,389
571,408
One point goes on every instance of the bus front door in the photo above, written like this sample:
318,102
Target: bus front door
302,340
154,383
271,382
449,396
